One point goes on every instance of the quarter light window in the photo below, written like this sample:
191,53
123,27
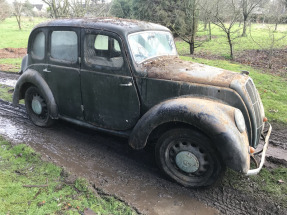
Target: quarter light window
38,48
64,45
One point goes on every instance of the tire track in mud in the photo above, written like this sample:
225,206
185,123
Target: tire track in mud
112,167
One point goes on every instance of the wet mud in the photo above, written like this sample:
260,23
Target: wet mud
8,78
132,176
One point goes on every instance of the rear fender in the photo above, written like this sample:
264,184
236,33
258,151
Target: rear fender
214,119
32,78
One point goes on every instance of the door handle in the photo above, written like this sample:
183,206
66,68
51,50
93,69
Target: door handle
126,85
46,70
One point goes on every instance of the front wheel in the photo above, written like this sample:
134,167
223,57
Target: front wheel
37,108
188,157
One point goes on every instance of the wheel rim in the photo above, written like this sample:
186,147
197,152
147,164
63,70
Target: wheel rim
187,162
37,105
187,158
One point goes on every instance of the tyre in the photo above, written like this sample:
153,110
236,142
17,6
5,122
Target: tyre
187,157
37,108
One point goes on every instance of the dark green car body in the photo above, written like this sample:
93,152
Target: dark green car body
139,100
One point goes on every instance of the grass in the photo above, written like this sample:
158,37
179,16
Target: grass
265,184
6,93
272,88
21,167
10,34
10,64
219,45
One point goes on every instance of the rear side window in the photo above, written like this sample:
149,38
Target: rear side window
64,45
38,48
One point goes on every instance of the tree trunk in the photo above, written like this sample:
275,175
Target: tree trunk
209,30
244,26
18,18
230,45
192,38
191,48
276,25
205,25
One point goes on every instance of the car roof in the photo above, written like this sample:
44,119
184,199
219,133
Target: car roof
120,26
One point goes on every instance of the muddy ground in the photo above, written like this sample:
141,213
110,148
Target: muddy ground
132,176
12,52
260,59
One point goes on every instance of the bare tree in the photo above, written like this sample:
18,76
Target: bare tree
5,10
79,7
247,7
225,14
20,8
191,13
277,12
58,8
269,43
204,15
99,8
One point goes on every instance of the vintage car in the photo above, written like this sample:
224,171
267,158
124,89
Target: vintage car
124,77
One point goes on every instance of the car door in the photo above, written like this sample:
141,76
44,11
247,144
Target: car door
109,93
63,70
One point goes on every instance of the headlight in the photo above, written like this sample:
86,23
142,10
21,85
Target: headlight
239,120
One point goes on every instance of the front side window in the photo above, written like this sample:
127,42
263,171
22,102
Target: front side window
102,50
38,48
64,45
149,44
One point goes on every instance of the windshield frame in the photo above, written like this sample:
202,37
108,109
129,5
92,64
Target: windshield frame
140,32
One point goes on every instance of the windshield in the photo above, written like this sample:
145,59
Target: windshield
149,44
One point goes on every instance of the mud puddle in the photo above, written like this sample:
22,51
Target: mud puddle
8,79
112,167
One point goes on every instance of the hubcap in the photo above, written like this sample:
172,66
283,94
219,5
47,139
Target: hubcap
36,105
187,162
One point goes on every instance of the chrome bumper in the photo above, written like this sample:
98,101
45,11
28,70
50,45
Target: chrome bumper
256,171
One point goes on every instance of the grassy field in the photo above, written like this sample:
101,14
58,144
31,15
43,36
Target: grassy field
260,33
10,34
12,37
29,185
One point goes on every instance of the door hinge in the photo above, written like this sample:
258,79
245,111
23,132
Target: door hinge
82,108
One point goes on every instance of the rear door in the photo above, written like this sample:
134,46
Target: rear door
63,71
109,94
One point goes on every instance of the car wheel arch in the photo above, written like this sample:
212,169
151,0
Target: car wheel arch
179,112
32,78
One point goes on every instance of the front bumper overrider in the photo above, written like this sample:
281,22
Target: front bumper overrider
266,143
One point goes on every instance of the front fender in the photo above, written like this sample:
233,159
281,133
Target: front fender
32,77
214,119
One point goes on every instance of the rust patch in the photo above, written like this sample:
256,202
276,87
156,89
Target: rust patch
173,68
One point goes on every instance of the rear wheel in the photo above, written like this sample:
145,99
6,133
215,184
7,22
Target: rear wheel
37,108
188,158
